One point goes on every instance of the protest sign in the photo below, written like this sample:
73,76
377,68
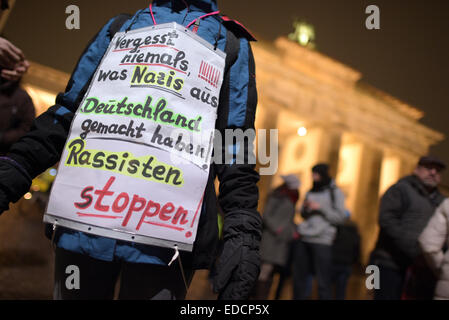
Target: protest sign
136,162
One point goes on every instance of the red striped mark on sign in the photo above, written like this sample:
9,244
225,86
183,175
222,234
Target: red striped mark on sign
209,73
197,210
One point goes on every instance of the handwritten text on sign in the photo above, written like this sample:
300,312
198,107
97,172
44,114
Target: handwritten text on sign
138,153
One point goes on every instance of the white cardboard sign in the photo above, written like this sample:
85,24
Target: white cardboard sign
136,162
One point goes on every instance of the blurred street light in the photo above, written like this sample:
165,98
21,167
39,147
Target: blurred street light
302,132
304,34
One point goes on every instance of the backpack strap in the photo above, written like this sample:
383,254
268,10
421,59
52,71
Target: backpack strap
118,23
332,193
232,48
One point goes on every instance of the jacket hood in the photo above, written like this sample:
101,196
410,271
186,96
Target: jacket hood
416,183
435,196
205,5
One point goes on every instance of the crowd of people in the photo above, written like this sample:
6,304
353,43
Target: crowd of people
410,251
324,246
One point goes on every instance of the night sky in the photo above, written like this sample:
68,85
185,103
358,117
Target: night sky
407,57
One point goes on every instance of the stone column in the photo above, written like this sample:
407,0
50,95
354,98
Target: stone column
359,177
266,118
390,171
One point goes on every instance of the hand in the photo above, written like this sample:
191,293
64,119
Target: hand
10,55
16,73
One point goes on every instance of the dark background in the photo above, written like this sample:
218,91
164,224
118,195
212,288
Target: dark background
407,57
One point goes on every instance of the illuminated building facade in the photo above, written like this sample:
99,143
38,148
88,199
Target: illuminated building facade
325,113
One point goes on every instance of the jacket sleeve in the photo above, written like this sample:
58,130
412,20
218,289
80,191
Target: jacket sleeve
392,205
42,146
434,236
335,214
26,114
238,191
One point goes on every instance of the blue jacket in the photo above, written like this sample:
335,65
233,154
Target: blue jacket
43,145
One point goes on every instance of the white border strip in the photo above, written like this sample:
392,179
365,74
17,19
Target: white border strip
115,234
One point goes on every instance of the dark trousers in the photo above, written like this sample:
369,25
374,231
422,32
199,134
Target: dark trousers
284,274
391,284
97,279
311,258
340,277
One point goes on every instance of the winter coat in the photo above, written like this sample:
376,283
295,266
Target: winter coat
43,145
405,209
278,230
16,114
432,240
320,226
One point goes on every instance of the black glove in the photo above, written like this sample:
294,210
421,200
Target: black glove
238,266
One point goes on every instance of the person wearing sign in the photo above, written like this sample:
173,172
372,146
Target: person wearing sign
13,64
143,269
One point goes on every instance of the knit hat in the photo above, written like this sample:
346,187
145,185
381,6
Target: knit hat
291,181
322,169
431,161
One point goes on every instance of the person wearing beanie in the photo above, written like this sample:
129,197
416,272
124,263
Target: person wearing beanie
405,210
323,209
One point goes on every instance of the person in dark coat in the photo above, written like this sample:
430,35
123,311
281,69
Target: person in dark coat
279,230
405,209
